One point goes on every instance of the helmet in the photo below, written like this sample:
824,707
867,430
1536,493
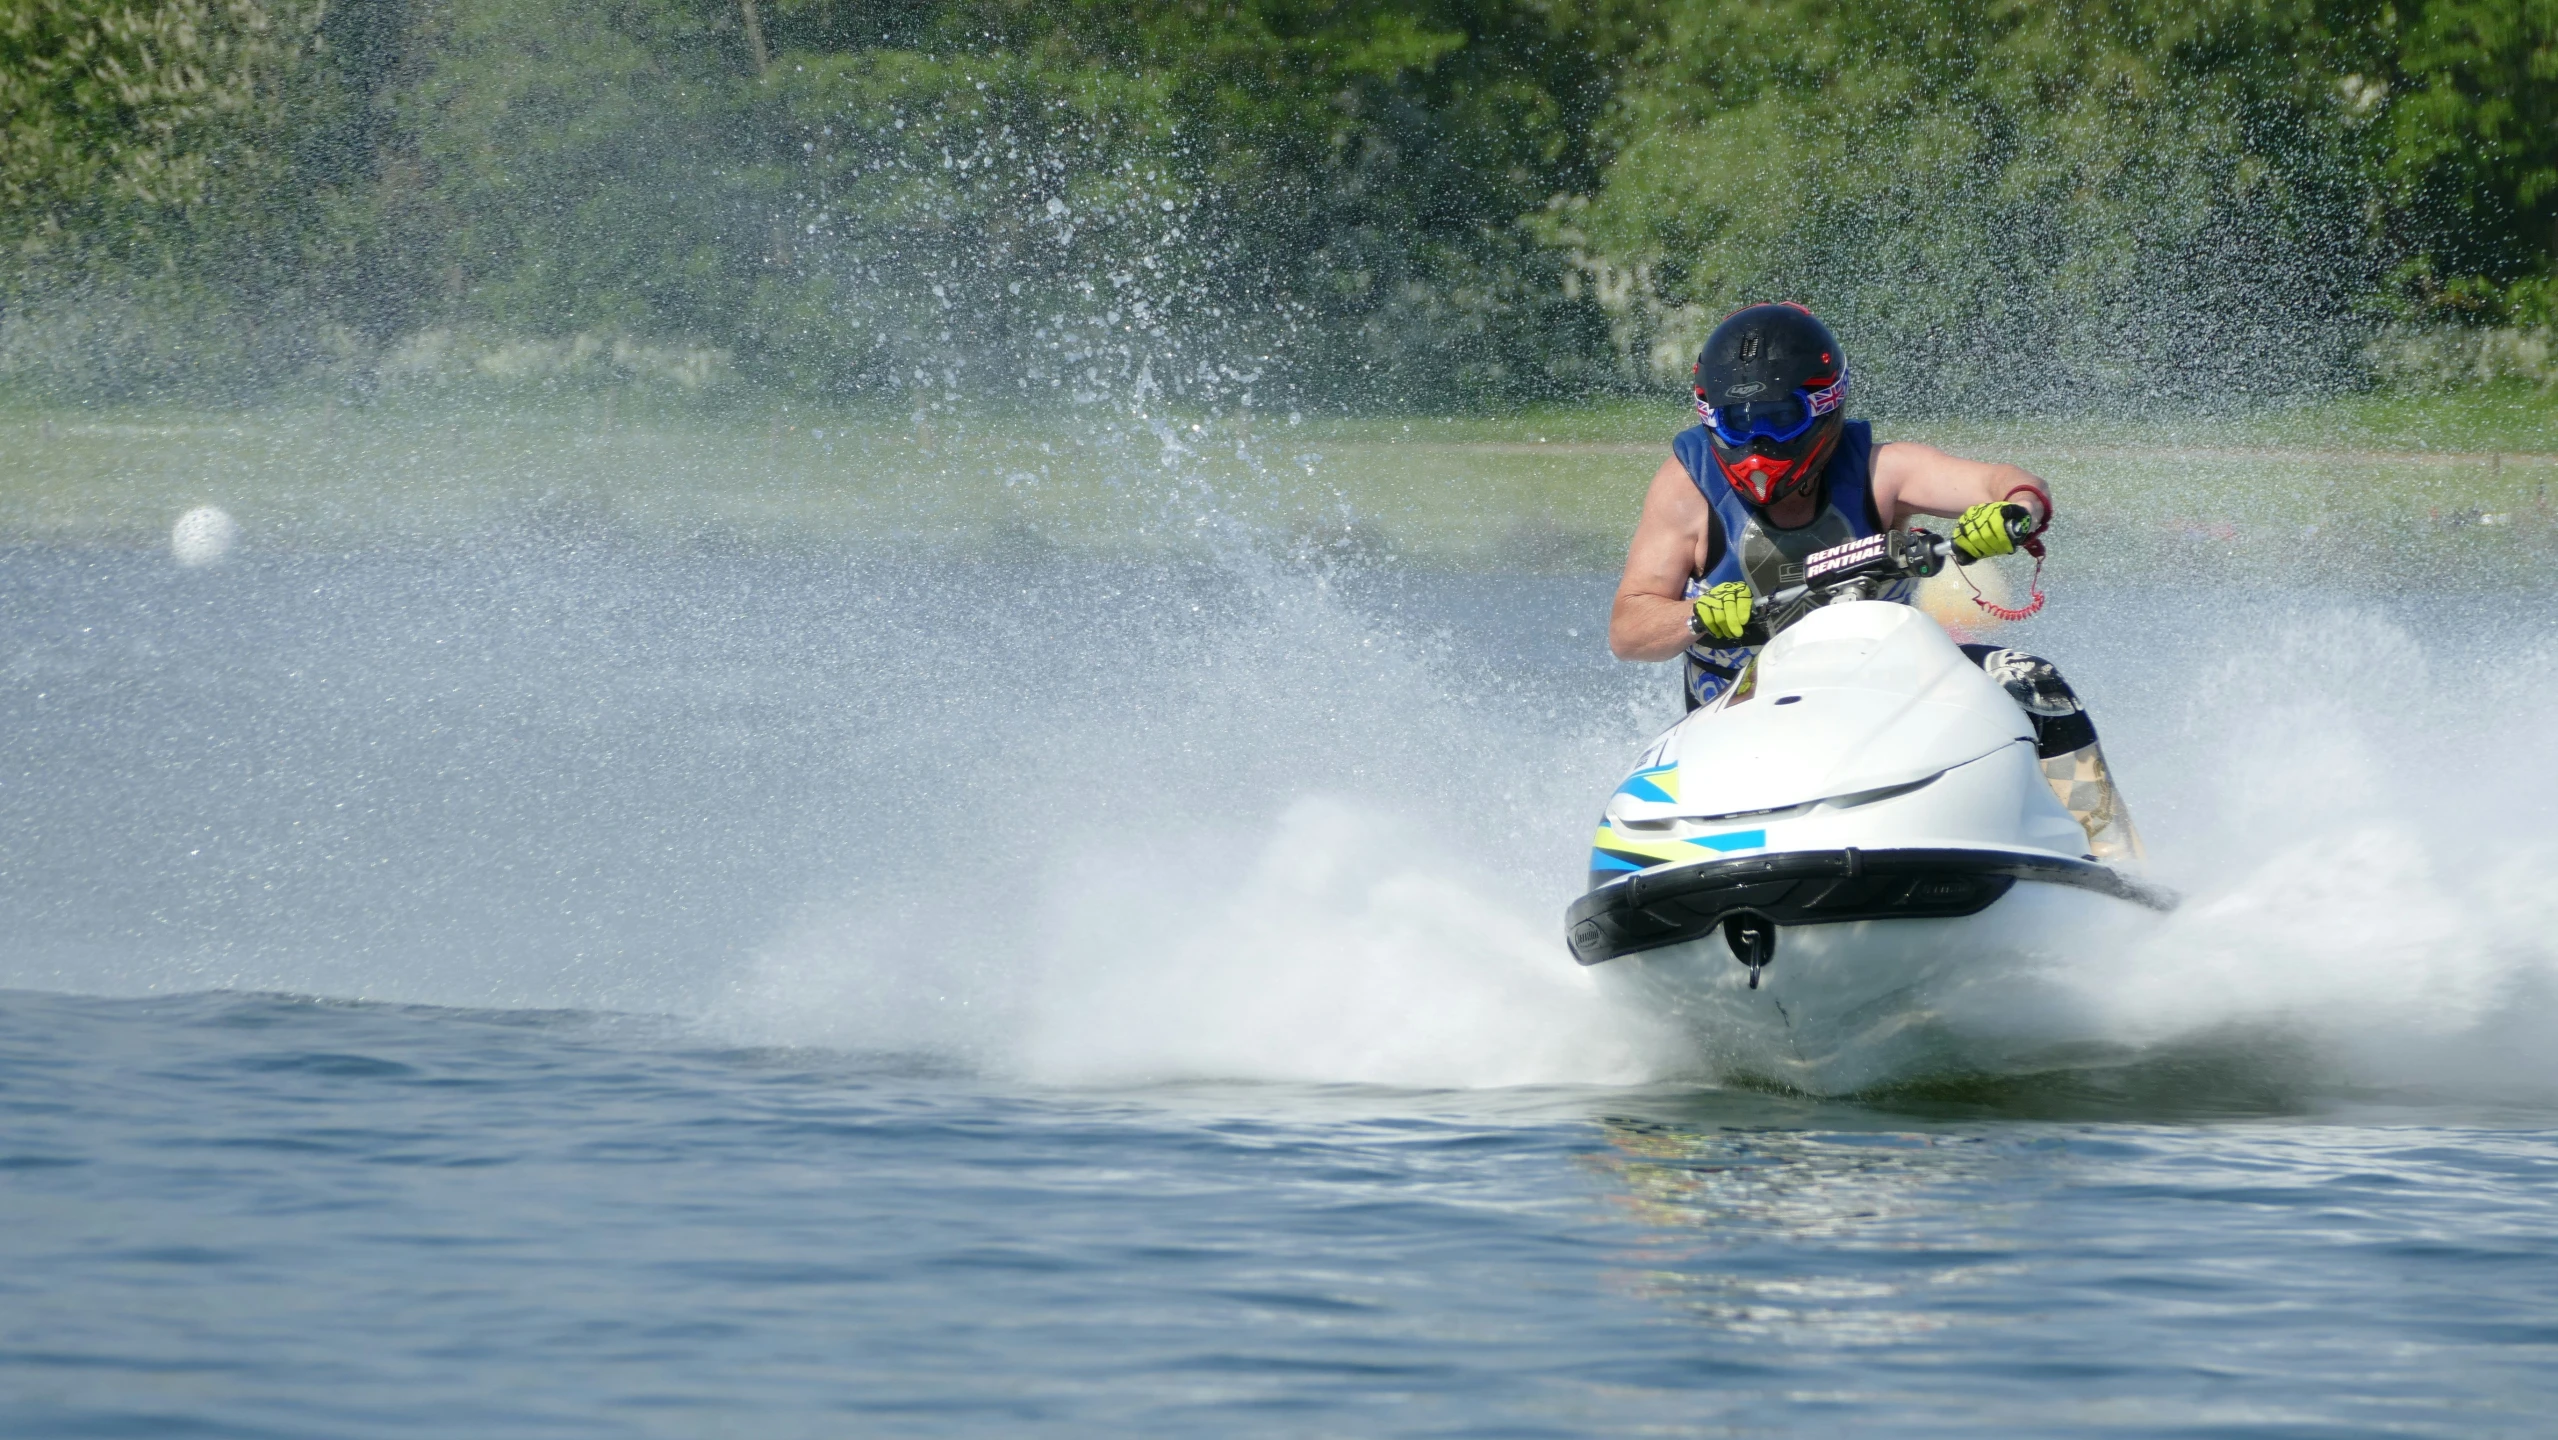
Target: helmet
1771,384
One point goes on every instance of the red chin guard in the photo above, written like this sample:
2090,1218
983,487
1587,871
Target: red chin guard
1759,478
1763,480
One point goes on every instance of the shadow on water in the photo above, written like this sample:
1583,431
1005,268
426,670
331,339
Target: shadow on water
2237,1074
2192,1084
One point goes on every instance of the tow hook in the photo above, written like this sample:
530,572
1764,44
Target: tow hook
1753,942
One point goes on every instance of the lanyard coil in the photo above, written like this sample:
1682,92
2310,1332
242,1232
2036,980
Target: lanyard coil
2031,545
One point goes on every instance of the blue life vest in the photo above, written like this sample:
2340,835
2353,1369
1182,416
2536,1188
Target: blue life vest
1767,558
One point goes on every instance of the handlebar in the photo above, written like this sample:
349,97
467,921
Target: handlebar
1853,571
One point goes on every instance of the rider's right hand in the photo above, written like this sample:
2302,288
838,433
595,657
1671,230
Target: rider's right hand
1722,612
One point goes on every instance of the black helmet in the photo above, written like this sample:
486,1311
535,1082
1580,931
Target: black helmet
1771,383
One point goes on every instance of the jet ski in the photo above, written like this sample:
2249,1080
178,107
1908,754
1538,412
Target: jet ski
1849,868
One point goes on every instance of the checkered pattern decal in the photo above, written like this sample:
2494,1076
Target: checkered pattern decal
2086,788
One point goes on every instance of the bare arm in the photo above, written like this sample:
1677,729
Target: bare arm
1914,479
1650,618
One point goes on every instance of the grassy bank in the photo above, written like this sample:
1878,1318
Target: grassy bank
2446,479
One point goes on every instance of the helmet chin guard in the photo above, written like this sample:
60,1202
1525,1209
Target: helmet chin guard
1764,479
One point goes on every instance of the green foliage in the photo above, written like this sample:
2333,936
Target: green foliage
2012,199
1419,203
1032,221
1348,178
2473,157
911,199
150,106
123,127
577,164
153,210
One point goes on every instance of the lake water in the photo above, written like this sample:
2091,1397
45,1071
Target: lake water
572,984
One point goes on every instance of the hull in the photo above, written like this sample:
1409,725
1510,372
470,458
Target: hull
1666,906
1868,1004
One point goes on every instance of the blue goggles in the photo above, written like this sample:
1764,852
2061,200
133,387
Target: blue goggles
1781,419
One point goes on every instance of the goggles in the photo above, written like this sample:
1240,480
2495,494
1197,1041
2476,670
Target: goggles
1785,418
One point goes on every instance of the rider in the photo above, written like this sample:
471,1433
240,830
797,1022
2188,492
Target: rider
1778,471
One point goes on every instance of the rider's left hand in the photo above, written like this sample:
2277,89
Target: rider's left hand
1990,528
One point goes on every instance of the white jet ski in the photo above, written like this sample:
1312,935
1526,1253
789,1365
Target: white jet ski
1849,868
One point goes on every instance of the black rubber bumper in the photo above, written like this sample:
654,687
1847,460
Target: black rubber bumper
1820,887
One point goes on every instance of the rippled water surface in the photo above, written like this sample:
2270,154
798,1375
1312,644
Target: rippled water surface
243,1215
593,987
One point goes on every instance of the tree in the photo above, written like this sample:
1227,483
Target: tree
119,120
2473,158
1998,202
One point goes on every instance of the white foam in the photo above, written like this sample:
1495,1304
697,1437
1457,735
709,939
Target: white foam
1292,850
2349,893
1347,945
1340,946
2362,843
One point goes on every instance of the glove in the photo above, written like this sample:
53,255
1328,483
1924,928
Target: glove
1722,611
1990,529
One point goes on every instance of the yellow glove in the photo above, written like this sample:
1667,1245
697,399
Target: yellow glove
1989,529
1722,611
